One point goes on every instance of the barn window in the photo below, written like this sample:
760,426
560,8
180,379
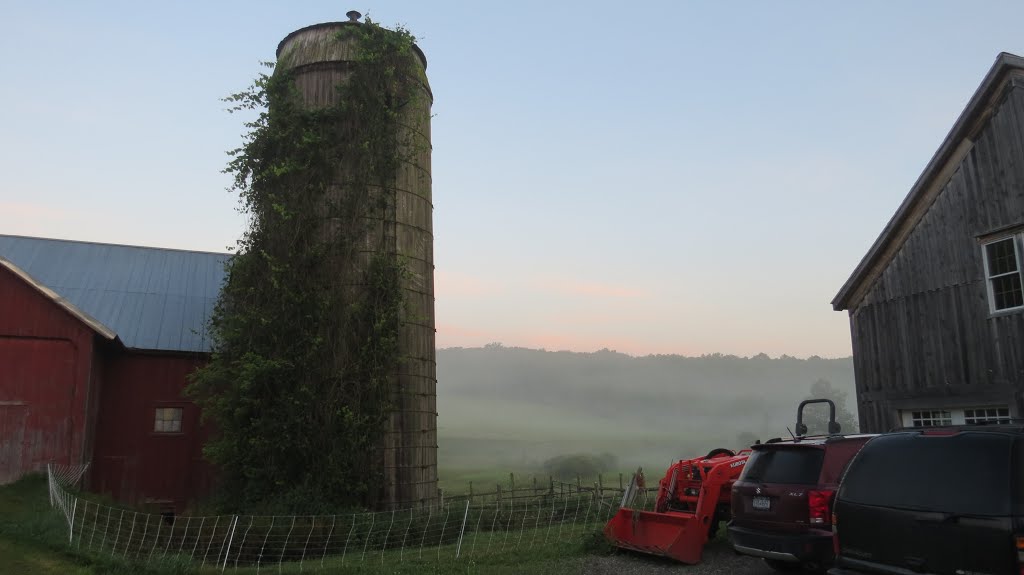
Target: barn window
1002,268
987,415
930,418
168,420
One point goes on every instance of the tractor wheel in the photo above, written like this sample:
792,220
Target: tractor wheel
719,451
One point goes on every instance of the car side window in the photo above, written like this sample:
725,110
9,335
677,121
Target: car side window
960,473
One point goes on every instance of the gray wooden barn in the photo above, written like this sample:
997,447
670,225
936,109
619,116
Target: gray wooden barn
936,305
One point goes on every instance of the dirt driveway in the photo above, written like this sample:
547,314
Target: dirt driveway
719,559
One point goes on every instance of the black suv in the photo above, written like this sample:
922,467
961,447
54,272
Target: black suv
782,503
934,500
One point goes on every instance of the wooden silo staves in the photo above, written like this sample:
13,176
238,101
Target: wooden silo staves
321,60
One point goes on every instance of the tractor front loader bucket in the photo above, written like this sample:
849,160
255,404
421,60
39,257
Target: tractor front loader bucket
670,534
694,494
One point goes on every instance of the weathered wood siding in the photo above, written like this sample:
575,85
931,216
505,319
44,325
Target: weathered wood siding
923,335
134,464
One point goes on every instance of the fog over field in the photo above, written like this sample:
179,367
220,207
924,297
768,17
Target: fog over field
513,408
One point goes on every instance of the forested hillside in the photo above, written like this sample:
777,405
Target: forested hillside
515,407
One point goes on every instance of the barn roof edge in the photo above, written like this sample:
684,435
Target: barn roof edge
896,230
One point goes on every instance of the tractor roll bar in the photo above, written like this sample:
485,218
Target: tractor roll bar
833,425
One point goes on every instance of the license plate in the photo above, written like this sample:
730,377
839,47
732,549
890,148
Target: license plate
762,503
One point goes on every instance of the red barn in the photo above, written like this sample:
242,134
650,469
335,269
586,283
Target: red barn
96,344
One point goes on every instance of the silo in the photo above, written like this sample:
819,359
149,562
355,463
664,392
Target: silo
321,58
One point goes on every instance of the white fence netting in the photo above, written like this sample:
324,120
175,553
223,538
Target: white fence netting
456,530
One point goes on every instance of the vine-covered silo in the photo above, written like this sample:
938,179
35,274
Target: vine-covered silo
395,220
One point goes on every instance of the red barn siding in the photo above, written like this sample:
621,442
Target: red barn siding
45,367
133,462
69,396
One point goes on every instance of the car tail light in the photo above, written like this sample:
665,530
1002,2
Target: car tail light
1020,554
818,506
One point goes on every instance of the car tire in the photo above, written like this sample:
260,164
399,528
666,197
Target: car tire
783,566
719,451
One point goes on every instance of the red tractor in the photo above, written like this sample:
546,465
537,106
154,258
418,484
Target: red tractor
693,497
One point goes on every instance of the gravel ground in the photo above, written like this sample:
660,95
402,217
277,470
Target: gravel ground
719,559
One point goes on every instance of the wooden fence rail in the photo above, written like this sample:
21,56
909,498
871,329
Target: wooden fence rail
534,489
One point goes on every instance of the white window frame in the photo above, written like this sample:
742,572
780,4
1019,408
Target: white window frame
935,417
955,415
1017,252
974,415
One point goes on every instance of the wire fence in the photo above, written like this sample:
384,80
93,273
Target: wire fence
454,530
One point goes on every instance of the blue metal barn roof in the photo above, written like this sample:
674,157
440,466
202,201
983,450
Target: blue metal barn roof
152,298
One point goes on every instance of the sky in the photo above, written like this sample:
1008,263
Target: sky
649,177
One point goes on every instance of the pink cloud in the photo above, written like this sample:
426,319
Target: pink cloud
456,331
28,213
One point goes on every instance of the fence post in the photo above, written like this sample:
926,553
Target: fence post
534,485
231,540
579,484
465,515
551,485
71,526
600,486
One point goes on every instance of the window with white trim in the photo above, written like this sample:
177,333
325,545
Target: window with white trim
987,415
1003,274
930,418
168,420
979,415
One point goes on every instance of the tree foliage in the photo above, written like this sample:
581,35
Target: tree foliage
816,416
306,330
572,466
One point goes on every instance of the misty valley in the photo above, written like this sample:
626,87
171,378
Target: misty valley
513,409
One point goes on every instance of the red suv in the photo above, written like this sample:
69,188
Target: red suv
782,503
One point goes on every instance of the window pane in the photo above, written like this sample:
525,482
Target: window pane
987,415
930,418
1007,291
1002,257
782,465
168,420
